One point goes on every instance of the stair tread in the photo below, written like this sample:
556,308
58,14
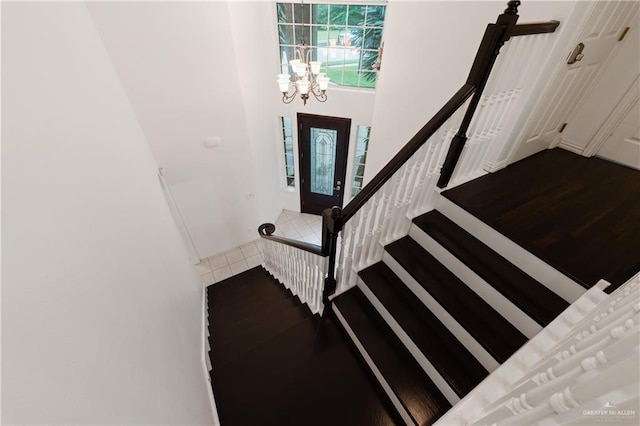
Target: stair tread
452,360
254,334
533,298
307,372
239,281
418,394
238,285
496,335
238,307
275,365
229,325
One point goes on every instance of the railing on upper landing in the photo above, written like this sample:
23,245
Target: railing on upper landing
450,149
583,368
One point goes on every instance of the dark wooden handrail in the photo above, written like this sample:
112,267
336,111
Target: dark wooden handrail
456,101
534,28
267,229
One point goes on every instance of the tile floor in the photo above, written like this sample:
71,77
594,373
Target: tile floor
298,226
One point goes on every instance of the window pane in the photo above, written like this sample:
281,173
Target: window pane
301,13
320,36
323,157
368,78
362,143
287,137
375,16
302,33
372,38
284,12
356,15
355,37
286,34
338,14
286,54
320,14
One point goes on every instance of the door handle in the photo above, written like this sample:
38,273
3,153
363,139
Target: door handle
576,55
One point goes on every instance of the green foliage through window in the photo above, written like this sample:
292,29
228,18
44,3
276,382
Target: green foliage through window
344,37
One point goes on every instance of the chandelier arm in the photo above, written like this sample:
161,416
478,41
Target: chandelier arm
288,98
321,97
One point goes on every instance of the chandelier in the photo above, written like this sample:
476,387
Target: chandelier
307,78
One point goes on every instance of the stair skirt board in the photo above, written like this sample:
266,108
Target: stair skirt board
402,411
542,272
426,365
454,327
497,300
206,360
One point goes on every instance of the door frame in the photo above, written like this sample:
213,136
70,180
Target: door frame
343,127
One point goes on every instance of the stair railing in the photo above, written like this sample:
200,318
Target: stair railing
381,212
581,368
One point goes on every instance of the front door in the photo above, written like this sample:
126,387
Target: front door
323,146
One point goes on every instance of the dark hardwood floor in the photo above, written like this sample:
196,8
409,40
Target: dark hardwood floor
274,363
581,215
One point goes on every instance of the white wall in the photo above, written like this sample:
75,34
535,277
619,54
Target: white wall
101,309
177,63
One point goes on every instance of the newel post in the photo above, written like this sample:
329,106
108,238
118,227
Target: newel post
331,226
494,38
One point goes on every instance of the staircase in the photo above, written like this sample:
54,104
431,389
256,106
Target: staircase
426,325
274,363
439,313
432,300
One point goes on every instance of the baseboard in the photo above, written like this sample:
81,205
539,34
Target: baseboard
570,146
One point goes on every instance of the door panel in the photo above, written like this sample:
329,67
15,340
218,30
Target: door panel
323,146
573,83
623,146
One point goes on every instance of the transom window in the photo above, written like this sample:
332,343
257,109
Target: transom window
345,37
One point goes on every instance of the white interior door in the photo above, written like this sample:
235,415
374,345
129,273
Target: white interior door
572,83
609,101
623,146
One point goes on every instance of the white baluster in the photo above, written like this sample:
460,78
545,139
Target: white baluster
387,229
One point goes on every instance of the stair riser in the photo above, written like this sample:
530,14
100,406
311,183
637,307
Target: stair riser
406,417
454,327
429,369
527,262
493,297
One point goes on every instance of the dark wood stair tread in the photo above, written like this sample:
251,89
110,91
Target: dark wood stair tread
240,307
308,372
237,282
254,334
499,337
415,390
452,360
252,387
533,298
244,286
228,327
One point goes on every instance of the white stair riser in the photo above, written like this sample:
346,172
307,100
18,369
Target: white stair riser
454,327
488,293
426,365
374,369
